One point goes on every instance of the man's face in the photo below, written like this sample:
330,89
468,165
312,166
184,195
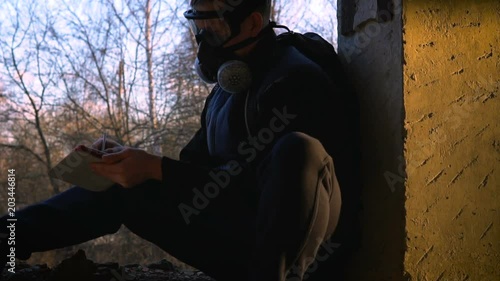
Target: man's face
215,31
218,29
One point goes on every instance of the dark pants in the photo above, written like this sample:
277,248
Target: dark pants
266,234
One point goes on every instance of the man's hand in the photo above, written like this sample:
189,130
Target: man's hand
129,167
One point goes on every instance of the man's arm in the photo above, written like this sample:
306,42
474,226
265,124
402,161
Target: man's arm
131,166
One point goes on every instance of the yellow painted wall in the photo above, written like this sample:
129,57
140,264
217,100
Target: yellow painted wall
451,80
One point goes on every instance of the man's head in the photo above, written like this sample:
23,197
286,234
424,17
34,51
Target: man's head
228,22
226,31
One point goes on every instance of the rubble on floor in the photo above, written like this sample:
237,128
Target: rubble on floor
79,268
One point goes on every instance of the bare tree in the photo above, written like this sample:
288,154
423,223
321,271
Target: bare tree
318,16
32,76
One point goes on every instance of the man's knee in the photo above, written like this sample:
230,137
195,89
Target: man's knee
300,148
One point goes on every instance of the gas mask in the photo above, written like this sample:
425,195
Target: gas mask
215,63
218,64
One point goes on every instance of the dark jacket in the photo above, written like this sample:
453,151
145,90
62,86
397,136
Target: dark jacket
285,82
282,77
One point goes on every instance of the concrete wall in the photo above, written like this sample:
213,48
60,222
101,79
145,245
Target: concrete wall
371,47
451,84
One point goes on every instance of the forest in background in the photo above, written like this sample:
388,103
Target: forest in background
71,70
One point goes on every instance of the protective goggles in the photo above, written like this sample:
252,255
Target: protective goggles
209,26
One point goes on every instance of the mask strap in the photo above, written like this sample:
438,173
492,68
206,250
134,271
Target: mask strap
275,25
